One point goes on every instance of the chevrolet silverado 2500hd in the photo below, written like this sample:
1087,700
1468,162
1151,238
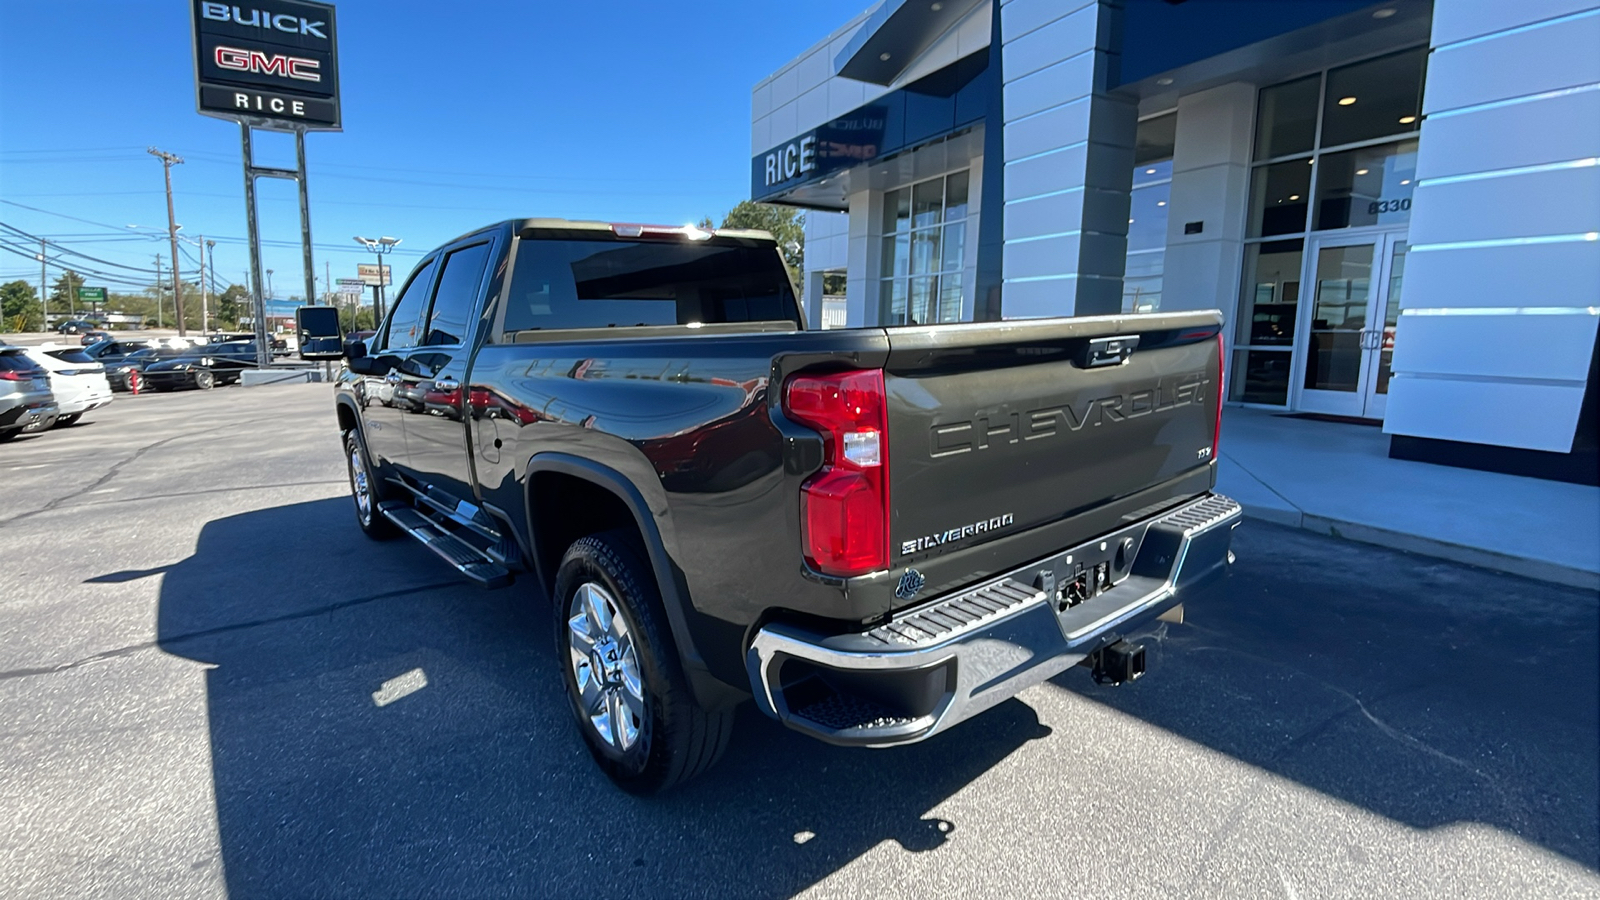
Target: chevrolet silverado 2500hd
876,532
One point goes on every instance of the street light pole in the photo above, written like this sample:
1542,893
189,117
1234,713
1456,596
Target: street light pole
379,246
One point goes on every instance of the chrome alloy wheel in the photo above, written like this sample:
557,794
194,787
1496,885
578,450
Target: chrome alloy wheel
605,666
359,486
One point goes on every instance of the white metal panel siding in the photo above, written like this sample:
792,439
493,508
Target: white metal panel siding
1550,275
1498,225
1464,19
1552,129
1510,347
1480,411
1068,155
1562,53
1550,202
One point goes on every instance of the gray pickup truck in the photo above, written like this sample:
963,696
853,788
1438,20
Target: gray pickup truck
876,533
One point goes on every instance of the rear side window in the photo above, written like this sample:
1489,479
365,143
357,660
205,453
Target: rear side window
454,298
16,362
620,284
405,321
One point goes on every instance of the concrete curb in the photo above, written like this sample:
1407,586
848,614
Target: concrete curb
1537,569
260,377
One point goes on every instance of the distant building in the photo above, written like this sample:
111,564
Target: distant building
1396,205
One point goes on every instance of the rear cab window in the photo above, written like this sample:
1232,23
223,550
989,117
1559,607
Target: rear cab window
456,295
601,283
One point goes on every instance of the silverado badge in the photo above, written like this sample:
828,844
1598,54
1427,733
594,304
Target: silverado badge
910,583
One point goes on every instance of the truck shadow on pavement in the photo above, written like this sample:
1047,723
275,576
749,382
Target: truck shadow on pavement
380,729
1427,692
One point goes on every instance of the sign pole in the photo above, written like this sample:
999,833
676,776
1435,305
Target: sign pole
258,302
305,218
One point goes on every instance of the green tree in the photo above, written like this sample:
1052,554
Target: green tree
230,305
785,223
19,307
64,293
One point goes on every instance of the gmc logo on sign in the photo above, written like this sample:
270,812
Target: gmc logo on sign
296,67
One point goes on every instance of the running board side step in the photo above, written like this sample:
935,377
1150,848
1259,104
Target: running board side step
465,558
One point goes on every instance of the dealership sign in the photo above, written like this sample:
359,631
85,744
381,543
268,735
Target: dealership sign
271,63
368,273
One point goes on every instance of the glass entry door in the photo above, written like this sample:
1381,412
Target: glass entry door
1349,335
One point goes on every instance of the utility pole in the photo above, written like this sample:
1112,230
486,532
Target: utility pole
168,160
205,292
44,299
160,323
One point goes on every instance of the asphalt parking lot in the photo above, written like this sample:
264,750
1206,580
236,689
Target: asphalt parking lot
212,684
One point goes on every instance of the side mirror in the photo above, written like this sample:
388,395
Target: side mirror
318,332
363,364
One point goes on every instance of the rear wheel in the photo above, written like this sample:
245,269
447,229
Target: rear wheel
204,380
6,436
366,491
626,689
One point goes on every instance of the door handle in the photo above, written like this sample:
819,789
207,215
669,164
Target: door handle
446,384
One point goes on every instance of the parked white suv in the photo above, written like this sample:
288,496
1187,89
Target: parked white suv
78,382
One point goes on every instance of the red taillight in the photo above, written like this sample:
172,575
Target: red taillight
1222,368
844,507
8,375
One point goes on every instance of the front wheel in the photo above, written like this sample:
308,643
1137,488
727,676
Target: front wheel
366,491
204,380
626,689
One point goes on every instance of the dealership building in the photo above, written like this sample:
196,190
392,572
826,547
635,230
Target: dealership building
1396,205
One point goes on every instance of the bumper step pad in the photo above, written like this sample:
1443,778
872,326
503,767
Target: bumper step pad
960,613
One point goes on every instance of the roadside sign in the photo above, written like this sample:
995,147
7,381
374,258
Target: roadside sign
351,290
368,273
91,294
350,281
270,63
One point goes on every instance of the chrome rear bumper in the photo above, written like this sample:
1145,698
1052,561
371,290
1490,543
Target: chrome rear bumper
944,661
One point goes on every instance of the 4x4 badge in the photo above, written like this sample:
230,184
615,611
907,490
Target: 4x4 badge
910,583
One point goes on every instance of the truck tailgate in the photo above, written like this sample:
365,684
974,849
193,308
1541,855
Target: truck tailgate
997,428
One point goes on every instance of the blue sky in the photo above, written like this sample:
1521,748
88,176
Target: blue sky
455,115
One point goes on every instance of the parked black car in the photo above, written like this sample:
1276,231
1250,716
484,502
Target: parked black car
202,367
76,326
121,358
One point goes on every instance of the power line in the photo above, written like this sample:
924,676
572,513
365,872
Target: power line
35,237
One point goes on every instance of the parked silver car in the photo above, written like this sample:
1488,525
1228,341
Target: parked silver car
25,397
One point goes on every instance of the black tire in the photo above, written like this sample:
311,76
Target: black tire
69,421
10,435
676,739
204,380
373,524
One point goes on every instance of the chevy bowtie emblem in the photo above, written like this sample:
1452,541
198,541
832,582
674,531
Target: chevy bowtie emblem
910,583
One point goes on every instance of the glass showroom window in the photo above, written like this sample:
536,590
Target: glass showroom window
1334,150
1148,213
924,246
